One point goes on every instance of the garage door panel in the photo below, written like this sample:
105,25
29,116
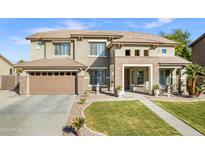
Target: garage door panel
52,85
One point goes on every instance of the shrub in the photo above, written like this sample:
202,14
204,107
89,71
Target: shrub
156,87
118,88
82,100
78,123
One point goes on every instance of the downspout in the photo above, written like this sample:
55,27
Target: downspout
73,49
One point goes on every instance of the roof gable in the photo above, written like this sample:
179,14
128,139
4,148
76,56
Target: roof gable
5,60
197,40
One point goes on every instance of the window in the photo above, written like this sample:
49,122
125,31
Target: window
39,45
146,52
62,73
50,73
98,76
32,73
137,52
98,49
140,77
164,51
38,73
127,52
11,71
44,73
62,49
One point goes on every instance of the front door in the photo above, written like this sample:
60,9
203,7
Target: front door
165,77
127,79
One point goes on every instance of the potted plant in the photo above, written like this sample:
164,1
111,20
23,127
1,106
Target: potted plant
156,89
118,91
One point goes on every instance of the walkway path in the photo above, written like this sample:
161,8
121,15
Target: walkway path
179,125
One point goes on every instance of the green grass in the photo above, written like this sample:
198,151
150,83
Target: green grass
126,118
192,113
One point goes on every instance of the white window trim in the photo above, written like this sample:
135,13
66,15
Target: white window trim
164,54
104,85
62,43
62,56
97,41
95,56
95,68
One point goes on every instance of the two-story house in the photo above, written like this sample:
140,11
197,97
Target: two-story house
198,50
6,67
72,61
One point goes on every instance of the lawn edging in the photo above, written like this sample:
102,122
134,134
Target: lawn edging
82,112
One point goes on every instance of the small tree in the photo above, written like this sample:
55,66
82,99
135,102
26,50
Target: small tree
20,61
192,71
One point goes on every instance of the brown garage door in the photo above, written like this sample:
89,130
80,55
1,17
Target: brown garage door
52,85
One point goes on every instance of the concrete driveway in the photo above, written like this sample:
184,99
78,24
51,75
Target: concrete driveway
36,115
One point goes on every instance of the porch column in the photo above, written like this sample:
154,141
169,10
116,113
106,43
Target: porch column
174,83
24,85
150,79
182,81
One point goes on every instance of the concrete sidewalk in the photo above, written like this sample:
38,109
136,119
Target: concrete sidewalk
179,125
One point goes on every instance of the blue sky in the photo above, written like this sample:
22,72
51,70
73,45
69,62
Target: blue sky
13,31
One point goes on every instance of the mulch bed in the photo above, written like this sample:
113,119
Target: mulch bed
76,111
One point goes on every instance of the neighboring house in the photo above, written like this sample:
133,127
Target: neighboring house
6,67
72,61
198,50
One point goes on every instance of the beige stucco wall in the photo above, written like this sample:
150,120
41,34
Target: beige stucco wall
35,52
152,51
198,52
82,55
5,67
119,61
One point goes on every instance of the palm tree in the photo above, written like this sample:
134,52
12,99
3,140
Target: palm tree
192,71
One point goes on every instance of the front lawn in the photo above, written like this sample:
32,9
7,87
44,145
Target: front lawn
126,118
192,113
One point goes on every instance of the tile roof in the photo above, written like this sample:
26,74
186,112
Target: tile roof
120,36
173,60
51,63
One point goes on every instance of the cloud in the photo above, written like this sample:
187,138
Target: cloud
160,22
41,29
18,40
77,25
69,24
132,24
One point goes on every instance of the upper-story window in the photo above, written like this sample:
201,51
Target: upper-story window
146,52
62,49
10,71
164,51
38,45
127,53
98,49
137,52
